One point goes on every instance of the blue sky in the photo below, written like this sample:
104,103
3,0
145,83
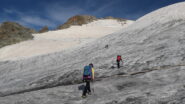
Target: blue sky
38,13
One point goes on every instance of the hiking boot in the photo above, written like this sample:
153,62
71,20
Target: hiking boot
83,96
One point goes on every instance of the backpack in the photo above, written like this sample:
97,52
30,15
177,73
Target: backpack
87,72
119,58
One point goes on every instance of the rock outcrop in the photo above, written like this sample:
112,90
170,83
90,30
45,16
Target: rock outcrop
11,33
84,19
77,20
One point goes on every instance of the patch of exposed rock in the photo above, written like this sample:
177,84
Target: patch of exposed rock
11,33
77,20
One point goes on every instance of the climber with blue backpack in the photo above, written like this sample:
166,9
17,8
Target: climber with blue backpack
88,76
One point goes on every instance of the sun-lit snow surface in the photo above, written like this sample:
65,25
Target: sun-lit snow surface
145,46
54,41
163,15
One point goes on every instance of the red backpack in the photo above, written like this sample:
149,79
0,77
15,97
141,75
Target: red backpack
119,58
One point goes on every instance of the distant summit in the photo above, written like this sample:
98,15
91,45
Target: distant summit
84,19
77,20
11,33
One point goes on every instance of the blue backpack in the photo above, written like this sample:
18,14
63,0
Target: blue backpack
87,72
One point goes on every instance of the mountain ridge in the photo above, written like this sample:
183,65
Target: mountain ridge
22,33
11,33
64,39
84,19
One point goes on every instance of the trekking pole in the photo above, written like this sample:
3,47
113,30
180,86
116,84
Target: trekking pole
93,86
93,89
122,63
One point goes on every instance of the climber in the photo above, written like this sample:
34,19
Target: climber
118,61
88,75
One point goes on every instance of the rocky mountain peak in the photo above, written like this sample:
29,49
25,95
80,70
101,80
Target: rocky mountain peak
77,20
11,33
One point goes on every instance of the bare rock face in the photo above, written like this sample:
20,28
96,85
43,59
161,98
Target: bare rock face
77,20
11,33
44,29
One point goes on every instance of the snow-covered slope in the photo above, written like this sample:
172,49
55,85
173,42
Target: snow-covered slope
54,41
153,71
166,14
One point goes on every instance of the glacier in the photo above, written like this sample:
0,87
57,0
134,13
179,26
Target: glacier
153,51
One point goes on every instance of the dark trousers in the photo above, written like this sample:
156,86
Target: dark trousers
87,88
118,64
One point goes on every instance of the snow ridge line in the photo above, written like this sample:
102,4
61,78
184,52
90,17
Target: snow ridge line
51,85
